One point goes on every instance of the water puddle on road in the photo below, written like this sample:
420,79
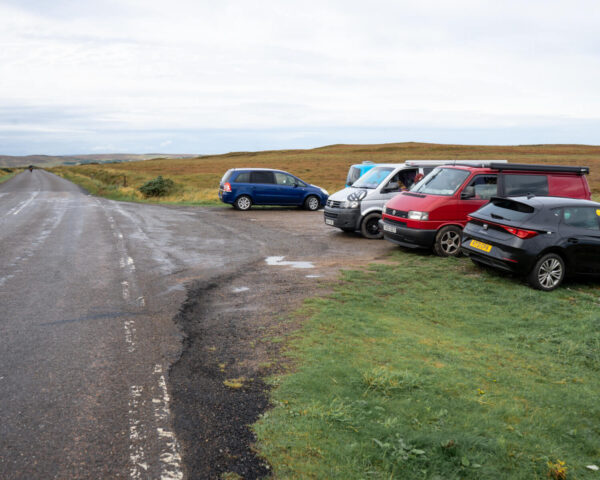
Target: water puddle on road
280,262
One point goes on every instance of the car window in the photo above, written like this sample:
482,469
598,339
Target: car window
284,179
516,185
227,175
353,175
484,186
243,177
261,177
582,217
442,181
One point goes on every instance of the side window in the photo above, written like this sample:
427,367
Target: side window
284,179
515,185
482,187
582,217
406,178
243,177
259,176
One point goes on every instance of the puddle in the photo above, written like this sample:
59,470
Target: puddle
278,261
240,289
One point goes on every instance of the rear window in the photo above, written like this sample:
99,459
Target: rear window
243,177
505,209
517,185
226,176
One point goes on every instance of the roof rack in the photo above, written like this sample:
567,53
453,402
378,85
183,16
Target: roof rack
470,163
540,168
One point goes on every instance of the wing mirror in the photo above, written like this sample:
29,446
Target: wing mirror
468,192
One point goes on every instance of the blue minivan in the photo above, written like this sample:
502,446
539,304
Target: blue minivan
244,187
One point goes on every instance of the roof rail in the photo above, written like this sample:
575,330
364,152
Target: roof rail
471,163
540,168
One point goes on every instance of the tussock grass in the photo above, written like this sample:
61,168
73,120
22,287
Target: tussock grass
434,368
197,179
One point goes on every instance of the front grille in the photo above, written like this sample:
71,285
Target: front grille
395,222
396,213
331,215
334,203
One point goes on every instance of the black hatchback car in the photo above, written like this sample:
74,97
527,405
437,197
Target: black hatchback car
543,238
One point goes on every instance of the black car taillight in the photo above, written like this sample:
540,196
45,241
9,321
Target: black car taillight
518,232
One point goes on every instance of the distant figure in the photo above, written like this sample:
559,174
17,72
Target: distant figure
31,168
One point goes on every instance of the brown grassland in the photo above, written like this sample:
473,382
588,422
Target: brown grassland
197,179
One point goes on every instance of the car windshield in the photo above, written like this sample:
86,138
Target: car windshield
373,177
504,209
441,181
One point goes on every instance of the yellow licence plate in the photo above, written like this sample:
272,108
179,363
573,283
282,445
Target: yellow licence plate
480,245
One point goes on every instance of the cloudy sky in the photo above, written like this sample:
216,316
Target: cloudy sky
213,76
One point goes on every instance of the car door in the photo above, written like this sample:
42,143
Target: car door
475,194
289,189
580,227
264,189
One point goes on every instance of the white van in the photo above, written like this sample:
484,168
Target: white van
359,207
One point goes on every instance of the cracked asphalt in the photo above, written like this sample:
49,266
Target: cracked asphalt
120,325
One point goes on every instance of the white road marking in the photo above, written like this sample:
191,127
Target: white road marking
240,289
136,446
125,288
313,276
22,205
278,261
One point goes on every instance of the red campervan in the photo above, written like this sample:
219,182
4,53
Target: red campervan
433,213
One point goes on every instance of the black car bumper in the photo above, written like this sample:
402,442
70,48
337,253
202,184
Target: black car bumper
398,233
346,218
502,257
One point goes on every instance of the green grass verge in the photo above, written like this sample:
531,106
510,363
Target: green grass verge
7,174
435,368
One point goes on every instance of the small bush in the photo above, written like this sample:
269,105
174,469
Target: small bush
158,187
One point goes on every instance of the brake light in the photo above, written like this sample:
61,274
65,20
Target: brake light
520,233
469,218
227,187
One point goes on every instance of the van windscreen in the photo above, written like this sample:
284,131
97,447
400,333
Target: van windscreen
373,177
442,181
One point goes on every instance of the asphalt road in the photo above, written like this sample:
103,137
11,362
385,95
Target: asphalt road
89,289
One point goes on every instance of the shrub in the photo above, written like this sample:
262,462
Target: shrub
157,187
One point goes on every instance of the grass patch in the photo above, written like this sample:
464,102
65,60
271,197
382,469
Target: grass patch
197,179
8,173
434,368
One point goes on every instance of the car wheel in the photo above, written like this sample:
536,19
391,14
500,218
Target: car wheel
311,203
548,272
447,241
370,226
243,202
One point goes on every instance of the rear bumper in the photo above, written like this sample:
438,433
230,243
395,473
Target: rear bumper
342,217
502,257
404,236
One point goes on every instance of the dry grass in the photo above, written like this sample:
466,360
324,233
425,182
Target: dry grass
198,178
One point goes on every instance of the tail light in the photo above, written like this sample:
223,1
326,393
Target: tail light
469,218
227,187
519,232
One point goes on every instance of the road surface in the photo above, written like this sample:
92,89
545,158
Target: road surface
89,289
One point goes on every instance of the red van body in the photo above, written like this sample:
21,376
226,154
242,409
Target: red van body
422,219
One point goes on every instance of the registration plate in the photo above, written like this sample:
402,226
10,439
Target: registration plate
329,221
480,245
389,228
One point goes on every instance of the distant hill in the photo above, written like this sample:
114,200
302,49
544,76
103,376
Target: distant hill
55,160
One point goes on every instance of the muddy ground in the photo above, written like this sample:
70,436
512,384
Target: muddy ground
234,324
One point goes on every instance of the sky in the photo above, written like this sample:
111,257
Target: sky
214,76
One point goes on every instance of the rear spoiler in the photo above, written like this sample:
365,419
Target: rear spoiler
540,168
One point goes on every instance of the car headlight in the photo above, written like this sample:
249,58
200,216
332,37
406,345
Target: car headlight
351,204
415,215
324,191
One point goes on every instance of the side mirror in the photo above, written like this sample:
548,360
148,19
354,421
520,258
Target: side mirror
468,192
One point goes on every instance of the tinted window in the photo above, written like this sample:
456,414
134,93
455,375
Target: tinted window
515,185
373,177
243,177
261,177
226,176
442,181
504,209
284,179
484,187
582,217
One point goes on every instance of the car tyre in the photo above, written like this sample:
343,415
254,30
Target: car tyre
447,241
243,202
369,227
311,203
547,273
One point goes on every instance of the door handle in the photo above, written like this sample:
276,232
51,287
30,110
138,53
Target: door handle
572,240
